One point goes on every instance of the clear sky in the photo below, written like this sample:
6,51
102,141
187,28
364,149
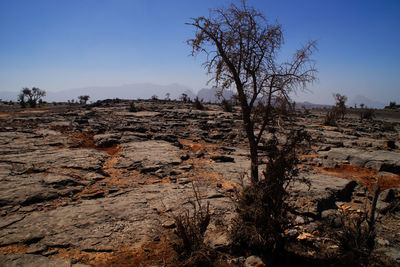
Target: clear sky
57,45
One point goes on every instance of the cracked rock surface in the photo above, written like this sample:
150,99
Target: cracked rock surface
97,179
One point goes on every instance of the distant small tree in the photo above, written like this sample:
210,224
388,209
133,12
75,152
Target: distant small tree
23,97
340,104
167,96
361,105
83,99
154,97
392,105
30,96
184,98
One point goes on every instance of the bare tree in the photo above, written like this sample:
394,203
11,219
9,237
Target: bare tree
241,49
340,104
184,98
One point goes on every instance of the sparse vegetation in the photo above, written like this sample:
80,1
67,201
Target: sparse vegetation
357,235
336,112
184,98
367,114
242,51
30,97
83,99
388,127
340,105
190,228
226,105
197,104
392,105
132,107
262,207
330,117
154,97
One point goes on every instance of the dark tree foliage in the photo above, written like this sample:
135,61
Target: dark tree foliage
83,99
30,96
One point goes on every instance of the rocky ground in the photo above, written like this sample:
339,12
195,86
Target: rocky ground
99,185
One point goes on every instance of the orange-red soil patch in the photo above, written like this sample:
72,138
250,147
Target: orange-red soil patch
16,248
196,146
150,254
365,176
33,111
87,141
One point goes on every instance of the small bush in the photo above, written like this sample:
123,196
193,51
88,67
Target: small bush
262,208
357,237
388,127
190,228
226,105
197,104
367,114
132,107
331,117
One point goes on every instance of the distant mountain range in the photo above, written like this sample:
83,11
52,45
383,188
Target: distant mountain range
360,99
210,95
147,90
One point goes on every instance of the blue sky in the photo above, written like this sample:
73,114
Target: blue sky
57,45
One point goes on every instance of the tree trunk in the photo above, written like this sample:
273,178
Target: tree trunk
254,163
249,128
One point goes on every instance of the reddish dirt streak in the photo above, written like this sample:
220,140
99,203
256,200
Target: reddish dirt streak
364,175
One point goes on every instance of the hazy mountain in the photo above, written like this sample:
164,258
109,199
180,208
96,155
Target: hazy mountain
309,105
360,99
7,96
129,91
209,95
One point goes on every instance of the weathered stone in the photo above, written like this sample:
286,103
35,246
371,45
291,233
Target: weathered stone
323,193
219,241
222,158
106,140
29,260
254,261
150,154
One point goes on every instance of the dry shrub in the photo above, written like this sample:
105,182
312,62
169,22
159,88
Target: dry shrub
226,105
197,104
388,127
331,117
357,236
262,210
367,114
190,228
132,107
